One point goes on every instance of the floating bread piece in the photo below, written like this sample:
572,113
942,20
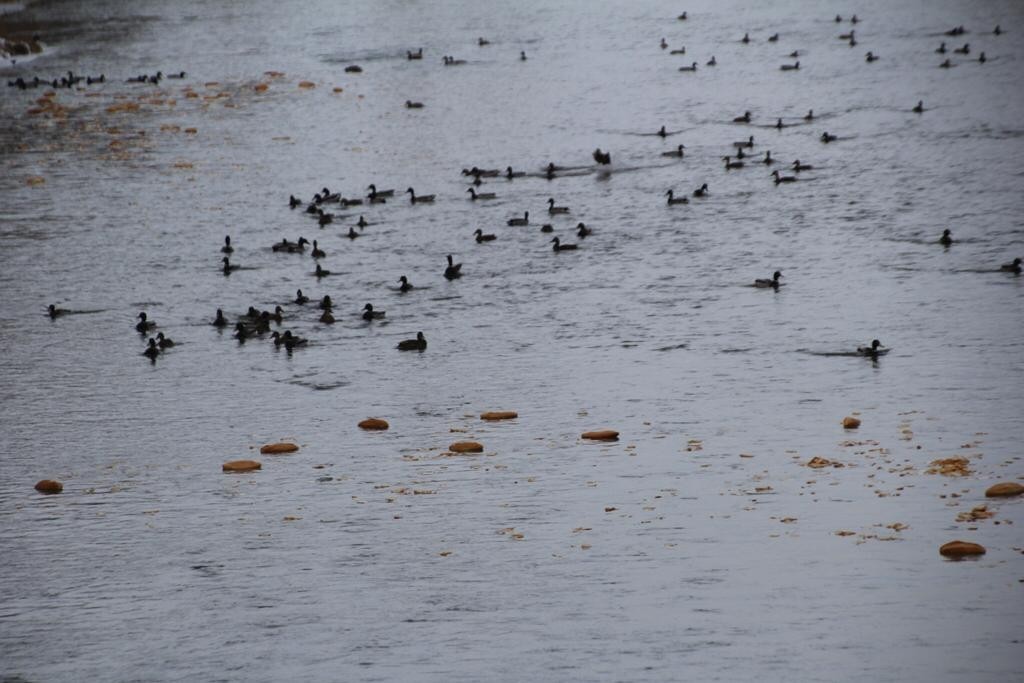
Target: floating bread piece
961,549
49,486
850,422
374,423
279,448
241,466
602,435
466,447
1004,489
499,415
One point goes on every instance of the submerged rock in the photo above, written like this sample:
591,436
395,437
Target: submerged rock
49,486
283,447
1004,489
374,423
961,549
499,415
850,422
241,465
466,447
601,435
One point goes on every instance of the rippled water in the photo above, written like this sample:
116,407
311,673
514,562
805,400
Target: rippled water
659,557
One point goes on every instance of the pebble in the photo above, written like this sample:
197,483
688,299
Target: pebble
283,447
499,415
961,549
374,423
850,422
241,466
466,447
601,435
1004,489
49,486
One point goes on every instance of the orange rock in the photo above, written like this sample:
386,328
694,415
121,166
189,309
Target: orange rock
1004,489
283,447
307,84
818,462
49,486
374,423
602,435
466,447
950,467
961,549
241,466
499,415
850,422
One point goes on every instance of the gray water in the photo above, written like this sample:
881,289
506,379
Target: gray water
659,557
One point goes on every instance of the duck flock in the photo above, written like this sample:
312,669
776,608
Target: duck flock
326,207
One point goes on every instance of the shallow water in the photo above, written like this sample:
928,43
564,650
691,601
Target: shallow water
152,565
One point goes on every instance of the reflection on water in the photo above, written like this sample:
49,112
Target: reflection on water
700,539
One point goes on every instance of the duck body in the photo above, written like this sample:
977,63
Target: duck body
828,137
370,314
374,192
947,238
557,246
405,285
552,209
742,119
481,237
320,272
673,200
773,283
228,267
701,191
422,199
144,325
510,174
474,195
525,220
454,270
790,67
220,320
1012,267
583,231
163,342
227,248
783,178
152,351
729,165
692,67
676,153
417,344
55,312
409,104
317,251
874,351
301,298
603,158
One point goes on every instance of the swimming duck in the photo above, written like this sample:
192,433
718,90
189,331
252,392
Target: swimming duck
454,270
997,31
228,267
414,55
374,192
317,251
549,171
676,153
853,42
482,42
405,286
522,56
291,341
1012,267
783,178
663,44
163,342
582,231
151,351
525,220
742,119
320,272
277,337
293,201
682,17
701,191
325,303
847,36
826,137
749,142
451,61
227,248
409,104
680,51
362,222
283,245
547,228
768,158
510,174
326,318
277,316
558,246
732,164
662,132
552,209
956,31
180,74
745,39
54,312
809,116
874,351
370,314
838,18
326,195
481,237
712,61
417,344
672,200
965,50
301,298
692,67
352,234
220,320
773,283
946,65
946,239
870,57
779,125
474,195
350,202
422,199
919,108
797,166
854,19
324,218
942,49
604,158
790,67
981,58
241,332
774,38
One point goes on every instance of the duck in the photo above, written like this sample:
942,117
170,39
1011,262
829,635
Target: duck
220,320
712,61
317,251
790,67
362,222
779,124
783,178
54,312
482,42
965,50
325,195
320,272
981,58
682,17
350,202
768,158
228,267
946,65
352,234
603,158
827,138
163,342
409,104
919,108
522,56
417,344
847,36
291,341
414,55
549,170
701,191
672,199
874,351
663,44
941,49
454,270
797,166
742,119
482,172
374,192
325,303
422,199
547,228
1011,267
481,237
283,245
451,61
277,316
582,231
227,248
838,18
552,209
277,337
324,218
809,116
676,153
370,314
525,220
326,318
180,74
474,195
956,31
732,164
151,351
946,239
242,332
740,154
510,174
300,298
749,142
662,132
680,51
745,39
692,67
558,246
854,19
405,286
773,283
997,31
870,57
293,201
